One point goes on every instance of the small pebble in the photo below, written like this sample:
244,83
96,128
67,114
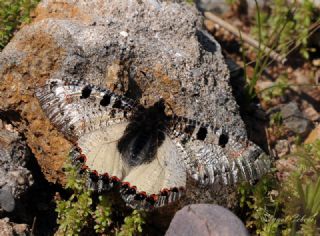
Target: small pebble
294,120
282,147
313,136
204,220
7,201
20,229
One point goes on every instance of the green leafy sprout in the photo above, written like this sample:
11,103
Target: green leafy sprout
13,13
285,29
80,211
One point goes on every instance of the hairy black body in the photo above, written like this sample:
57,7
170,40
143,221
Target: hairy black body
144,134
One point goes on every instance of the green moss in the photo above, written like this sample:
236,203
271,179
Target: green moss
277,89
12,14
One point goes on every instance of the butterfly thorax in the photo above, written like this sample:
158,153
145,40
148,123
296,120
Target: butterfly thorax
144,134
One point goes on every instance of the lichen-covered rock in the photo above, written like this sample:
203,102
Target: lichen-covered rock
15,178
145,50
206,220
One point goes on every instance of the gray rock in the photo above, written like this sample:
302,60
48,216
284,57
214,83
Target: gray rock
7,201
15,179
205,220
282,147
290,110
294,120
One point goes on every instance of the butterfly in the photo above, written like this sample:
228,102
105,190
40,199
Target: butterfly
143,151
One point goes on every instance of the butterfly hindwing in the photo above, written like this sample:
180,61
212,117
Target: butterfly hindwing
100,149
212,156
150,184
165,175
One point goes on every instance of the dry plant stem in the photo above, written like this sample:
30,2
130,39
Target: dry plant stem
271,151
246,38
33,225
289,85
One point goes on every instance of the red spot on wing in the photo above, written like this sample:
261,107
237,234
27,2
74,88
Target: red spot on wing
82,158
152,199
115,179
164,192
125,184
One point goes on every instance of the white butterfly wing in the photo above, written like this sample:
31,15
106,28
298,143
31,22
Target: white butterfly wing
100,149
165,171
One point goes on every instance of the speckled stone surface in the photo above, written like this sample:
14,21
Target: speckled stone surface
15,178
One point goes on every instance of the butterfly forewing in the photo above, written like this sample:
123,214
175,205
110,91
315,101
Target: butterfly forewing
75,114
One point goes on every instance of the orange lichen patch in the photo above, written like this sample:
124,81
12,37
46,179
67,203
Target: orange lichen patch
112,75
17,86
160,85
60,10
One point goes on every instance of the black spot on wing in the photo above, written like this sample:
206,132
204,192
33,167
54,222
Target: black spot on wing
105,101
202,133
86,92
223,140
